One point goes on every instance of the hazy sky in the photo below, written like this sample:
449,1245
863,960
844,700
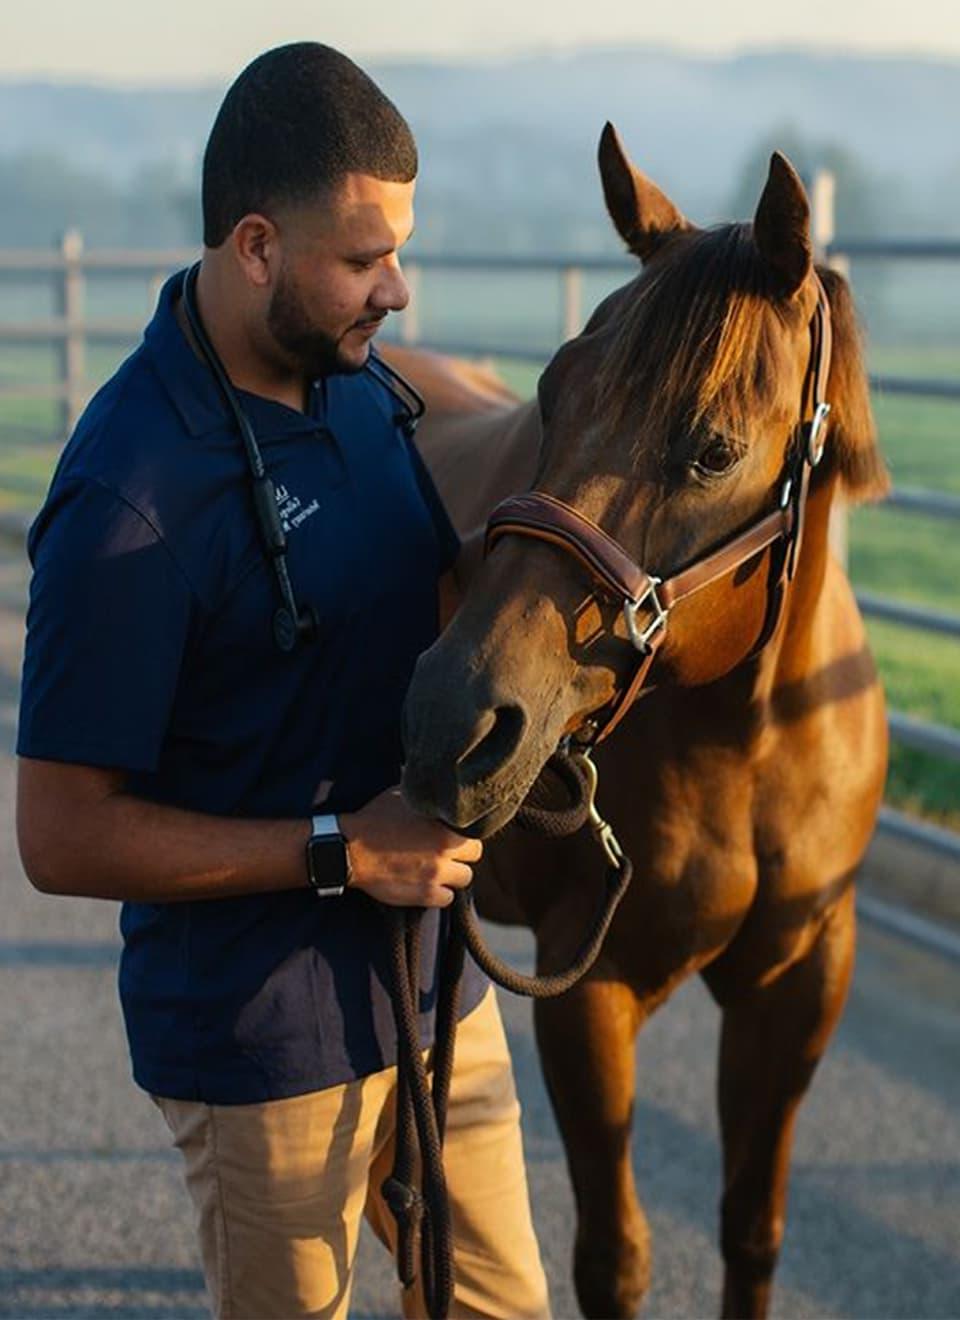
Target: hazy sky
190,40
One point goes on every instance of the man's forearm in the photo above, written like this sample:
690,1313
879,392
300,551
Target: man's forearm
81,833
111,844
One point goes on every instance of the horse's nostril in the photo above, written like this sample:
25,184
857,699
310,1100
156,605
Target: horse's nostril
496,737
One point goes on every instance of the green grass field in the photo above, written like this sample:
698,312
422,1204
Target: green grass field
905,556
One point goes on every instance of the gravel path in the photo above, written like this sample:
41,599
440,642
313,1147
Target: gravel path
94,1221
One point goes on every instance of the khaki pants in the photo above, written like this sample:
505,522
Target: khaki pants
279,1189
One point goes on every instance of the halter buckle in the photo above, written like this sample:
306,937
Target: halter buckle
640,637
815,444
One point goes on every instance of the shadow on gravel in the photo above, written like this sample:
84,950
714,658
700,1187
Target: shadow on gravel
139,1293
915,1037
863,1265
844,1249
30,953
139,1155
97,1292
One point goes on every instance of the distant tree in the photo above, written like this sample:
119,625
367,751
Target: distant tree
45,193
185,202
164,199
862,205
944,204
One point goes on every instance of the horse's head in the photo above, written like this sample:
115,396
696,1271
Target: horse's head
670,423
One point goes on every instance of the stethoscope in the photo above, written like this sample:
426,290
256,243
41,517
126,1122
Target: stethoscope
291,623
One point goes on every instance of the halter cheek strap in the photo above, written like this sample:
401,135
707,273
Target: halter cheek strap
543,517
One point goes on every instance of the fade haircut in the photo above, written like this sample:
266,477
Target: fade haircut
292,125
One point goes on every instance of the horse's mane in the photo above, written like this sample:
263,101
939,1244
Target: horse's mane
852,450
700,341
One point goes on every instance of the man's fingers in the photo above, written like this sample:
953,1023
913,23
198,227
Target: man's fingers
454,877
464,849
402,858
457,875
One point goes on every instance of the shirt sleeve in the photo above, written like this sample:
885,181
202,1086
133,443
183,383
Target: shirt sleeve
107,625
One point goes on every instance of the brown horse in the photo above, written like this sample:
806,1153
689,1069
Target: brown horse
745,782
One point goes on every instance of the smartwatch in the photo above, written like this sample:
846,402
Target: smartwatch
328,866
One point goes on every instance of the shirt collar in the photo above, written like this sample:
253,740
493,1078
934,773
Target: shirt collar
193,390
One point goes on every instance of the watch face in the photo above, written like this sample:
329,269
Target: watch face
327,863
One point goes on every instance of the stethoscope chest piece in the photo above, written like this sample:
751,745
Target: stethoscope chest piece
287,632
284,630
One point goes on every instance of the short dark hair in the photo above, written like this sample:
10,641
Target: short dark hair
292,125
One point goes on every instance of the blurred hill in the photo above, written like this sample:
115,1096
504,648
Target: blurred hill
508,148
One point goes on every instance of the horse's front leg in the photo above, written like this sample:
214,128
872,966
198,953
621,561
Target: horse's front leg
772,1039
586,1041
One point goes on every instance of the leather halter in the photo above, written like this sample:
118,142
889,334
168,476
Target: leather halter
543,517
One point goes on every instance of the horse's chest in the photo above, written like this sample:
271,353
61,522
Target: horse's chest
695,880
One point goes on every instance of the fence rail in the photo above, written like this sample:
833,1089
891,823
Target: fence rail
932,738
928,502
70,263
912,616
70,329
895,249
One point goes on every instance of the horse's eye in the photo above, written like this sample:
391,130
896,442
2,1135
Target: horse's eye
717,457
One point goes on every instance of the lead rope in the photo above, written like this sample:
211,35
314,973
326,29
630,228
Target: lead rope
422,1108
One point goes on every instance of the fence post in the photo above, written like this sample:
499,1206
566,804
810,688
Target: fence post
822,231
572,318
410,320
72,365
823,221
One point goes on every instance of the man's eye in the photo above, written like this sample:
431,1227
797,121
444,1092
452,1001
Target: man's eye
717,457
362,265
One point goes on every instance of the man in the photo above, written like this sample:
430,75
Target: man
173,753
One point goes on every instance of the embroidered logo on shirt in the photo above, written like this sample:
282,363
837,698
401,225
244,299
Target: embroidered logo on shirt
292,510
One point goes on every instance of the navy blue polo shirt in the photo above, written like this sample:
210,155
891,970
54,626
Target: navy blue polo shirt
150,649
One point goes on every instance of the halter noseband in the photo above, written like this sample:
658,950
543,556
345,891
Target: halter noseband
545,518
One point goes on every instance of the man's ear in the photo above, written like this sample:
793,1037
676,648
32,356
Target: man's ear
255,244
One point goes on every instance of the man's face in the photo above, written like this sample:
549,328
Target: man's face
340,274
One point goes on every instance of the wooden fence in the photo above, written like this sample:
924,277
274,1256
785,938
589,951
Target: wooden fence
71,330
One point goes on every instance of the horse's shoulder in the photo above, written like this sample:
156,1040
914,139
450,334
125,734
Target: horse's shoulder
476,459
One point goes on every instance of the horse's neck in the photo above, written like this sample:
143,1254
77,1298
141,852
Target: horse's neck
797,644
478,459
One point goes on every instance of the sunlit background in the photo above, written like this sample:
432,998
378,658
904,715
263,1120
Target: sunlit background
104,110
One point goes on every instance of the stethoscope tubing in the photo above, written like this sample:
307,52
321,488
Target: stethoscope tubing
290,623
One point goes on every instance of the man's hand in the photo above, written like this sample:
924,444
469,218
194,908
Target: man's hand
404,859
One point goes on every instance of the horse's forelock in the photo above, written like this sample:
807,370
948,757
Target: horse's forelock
701,341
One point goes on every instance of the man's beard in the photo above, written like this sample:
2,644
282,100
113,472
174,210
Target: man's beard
310,349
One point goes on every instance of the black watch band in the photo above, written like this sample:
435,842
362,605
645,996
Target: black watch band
328,866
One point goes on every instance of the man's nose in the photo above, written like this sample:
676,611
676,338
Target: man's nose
392,293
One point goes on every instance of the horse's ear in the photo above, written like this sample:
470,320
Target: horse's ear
643,215
852,450
781,226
